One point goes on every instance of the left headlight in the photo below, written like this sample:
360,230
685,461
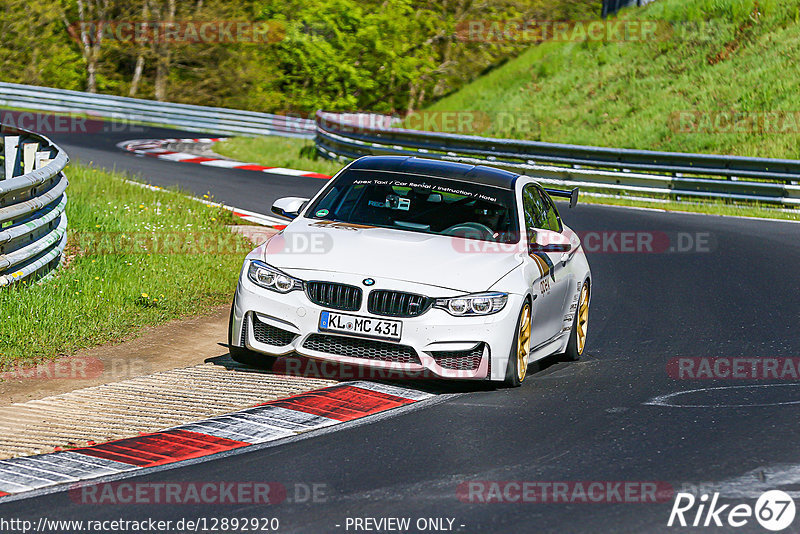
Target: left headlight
271,278
475,304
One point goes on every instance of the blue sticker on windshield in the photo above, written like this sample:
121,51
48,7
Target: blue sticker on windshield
322,213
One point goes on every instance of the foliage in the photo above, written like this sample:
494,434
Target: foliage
364,55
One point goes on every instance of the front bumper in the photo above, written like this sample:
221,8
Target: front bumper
435,343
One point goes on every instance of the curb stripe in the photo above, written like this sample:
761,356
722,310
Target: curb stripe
161,448
240,430
397,391
155,148
78,465
254,167
68,463
198,159
34,471
21,476
266,422
261,424
342,403
222,163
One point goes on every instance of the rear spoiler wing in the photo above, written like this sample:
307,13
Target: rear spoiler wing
571,195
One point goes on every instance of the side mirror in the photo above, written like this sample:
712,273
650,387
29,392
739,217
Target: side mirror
548,241
289,206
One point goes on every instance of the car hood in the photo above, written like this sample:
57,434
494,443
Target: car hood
442,261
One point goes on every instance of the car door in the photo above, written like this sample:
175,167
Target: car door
551,285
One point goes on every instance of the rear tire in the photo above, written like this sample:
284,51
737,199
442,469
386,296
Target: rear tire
518,357
577,336
245,355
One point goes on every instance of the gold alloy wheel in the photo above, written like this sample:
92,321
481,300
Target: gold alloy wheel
523,341
583,317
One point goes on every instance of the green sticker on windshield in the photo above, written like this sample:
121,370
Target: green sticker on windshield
322,213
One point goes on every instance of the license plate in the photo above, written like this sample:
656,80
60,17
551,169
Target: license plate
360,326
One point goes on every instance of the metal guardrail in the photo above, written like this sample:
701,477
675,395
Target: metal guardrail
185,116
33,224
665,173
354,135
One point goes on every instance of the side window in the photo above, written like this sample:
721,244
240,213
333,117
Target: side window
535,209
553,220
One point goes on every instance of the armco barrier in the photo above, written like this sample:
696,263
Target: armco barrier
33,224
642,171
348,136
185,116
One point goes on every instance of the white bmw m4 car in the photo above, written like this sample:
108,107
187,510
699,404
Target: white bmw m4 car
419,266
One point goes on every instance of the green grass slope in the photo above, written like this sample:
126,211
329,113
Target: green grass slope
708,57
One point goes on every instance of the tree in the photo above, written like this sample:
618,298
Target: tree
91,16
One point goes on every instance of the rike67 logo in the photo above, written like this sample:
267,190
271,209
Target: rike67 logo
774,510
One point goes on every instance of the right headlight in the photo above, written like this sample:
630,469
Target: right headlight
474,304
269,277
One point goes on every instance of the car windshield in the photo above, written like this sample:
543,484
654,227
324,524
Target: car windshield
420,204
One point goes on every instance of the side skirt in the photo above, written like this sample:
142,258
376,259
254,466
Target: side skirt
552,346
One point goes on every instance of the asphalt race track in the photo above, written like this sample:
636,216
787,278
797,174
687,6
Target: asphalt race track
597,420
231,186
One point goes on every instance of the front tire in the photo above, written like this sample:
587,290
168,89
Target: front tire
518,358
245,355
577,337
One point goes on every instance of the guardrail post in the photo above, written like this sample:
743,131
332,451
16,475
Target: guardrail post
29,156
11,152
42,159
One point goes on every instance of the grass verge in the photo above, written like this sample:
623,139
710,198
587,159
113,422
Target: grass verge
136,257
273,151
